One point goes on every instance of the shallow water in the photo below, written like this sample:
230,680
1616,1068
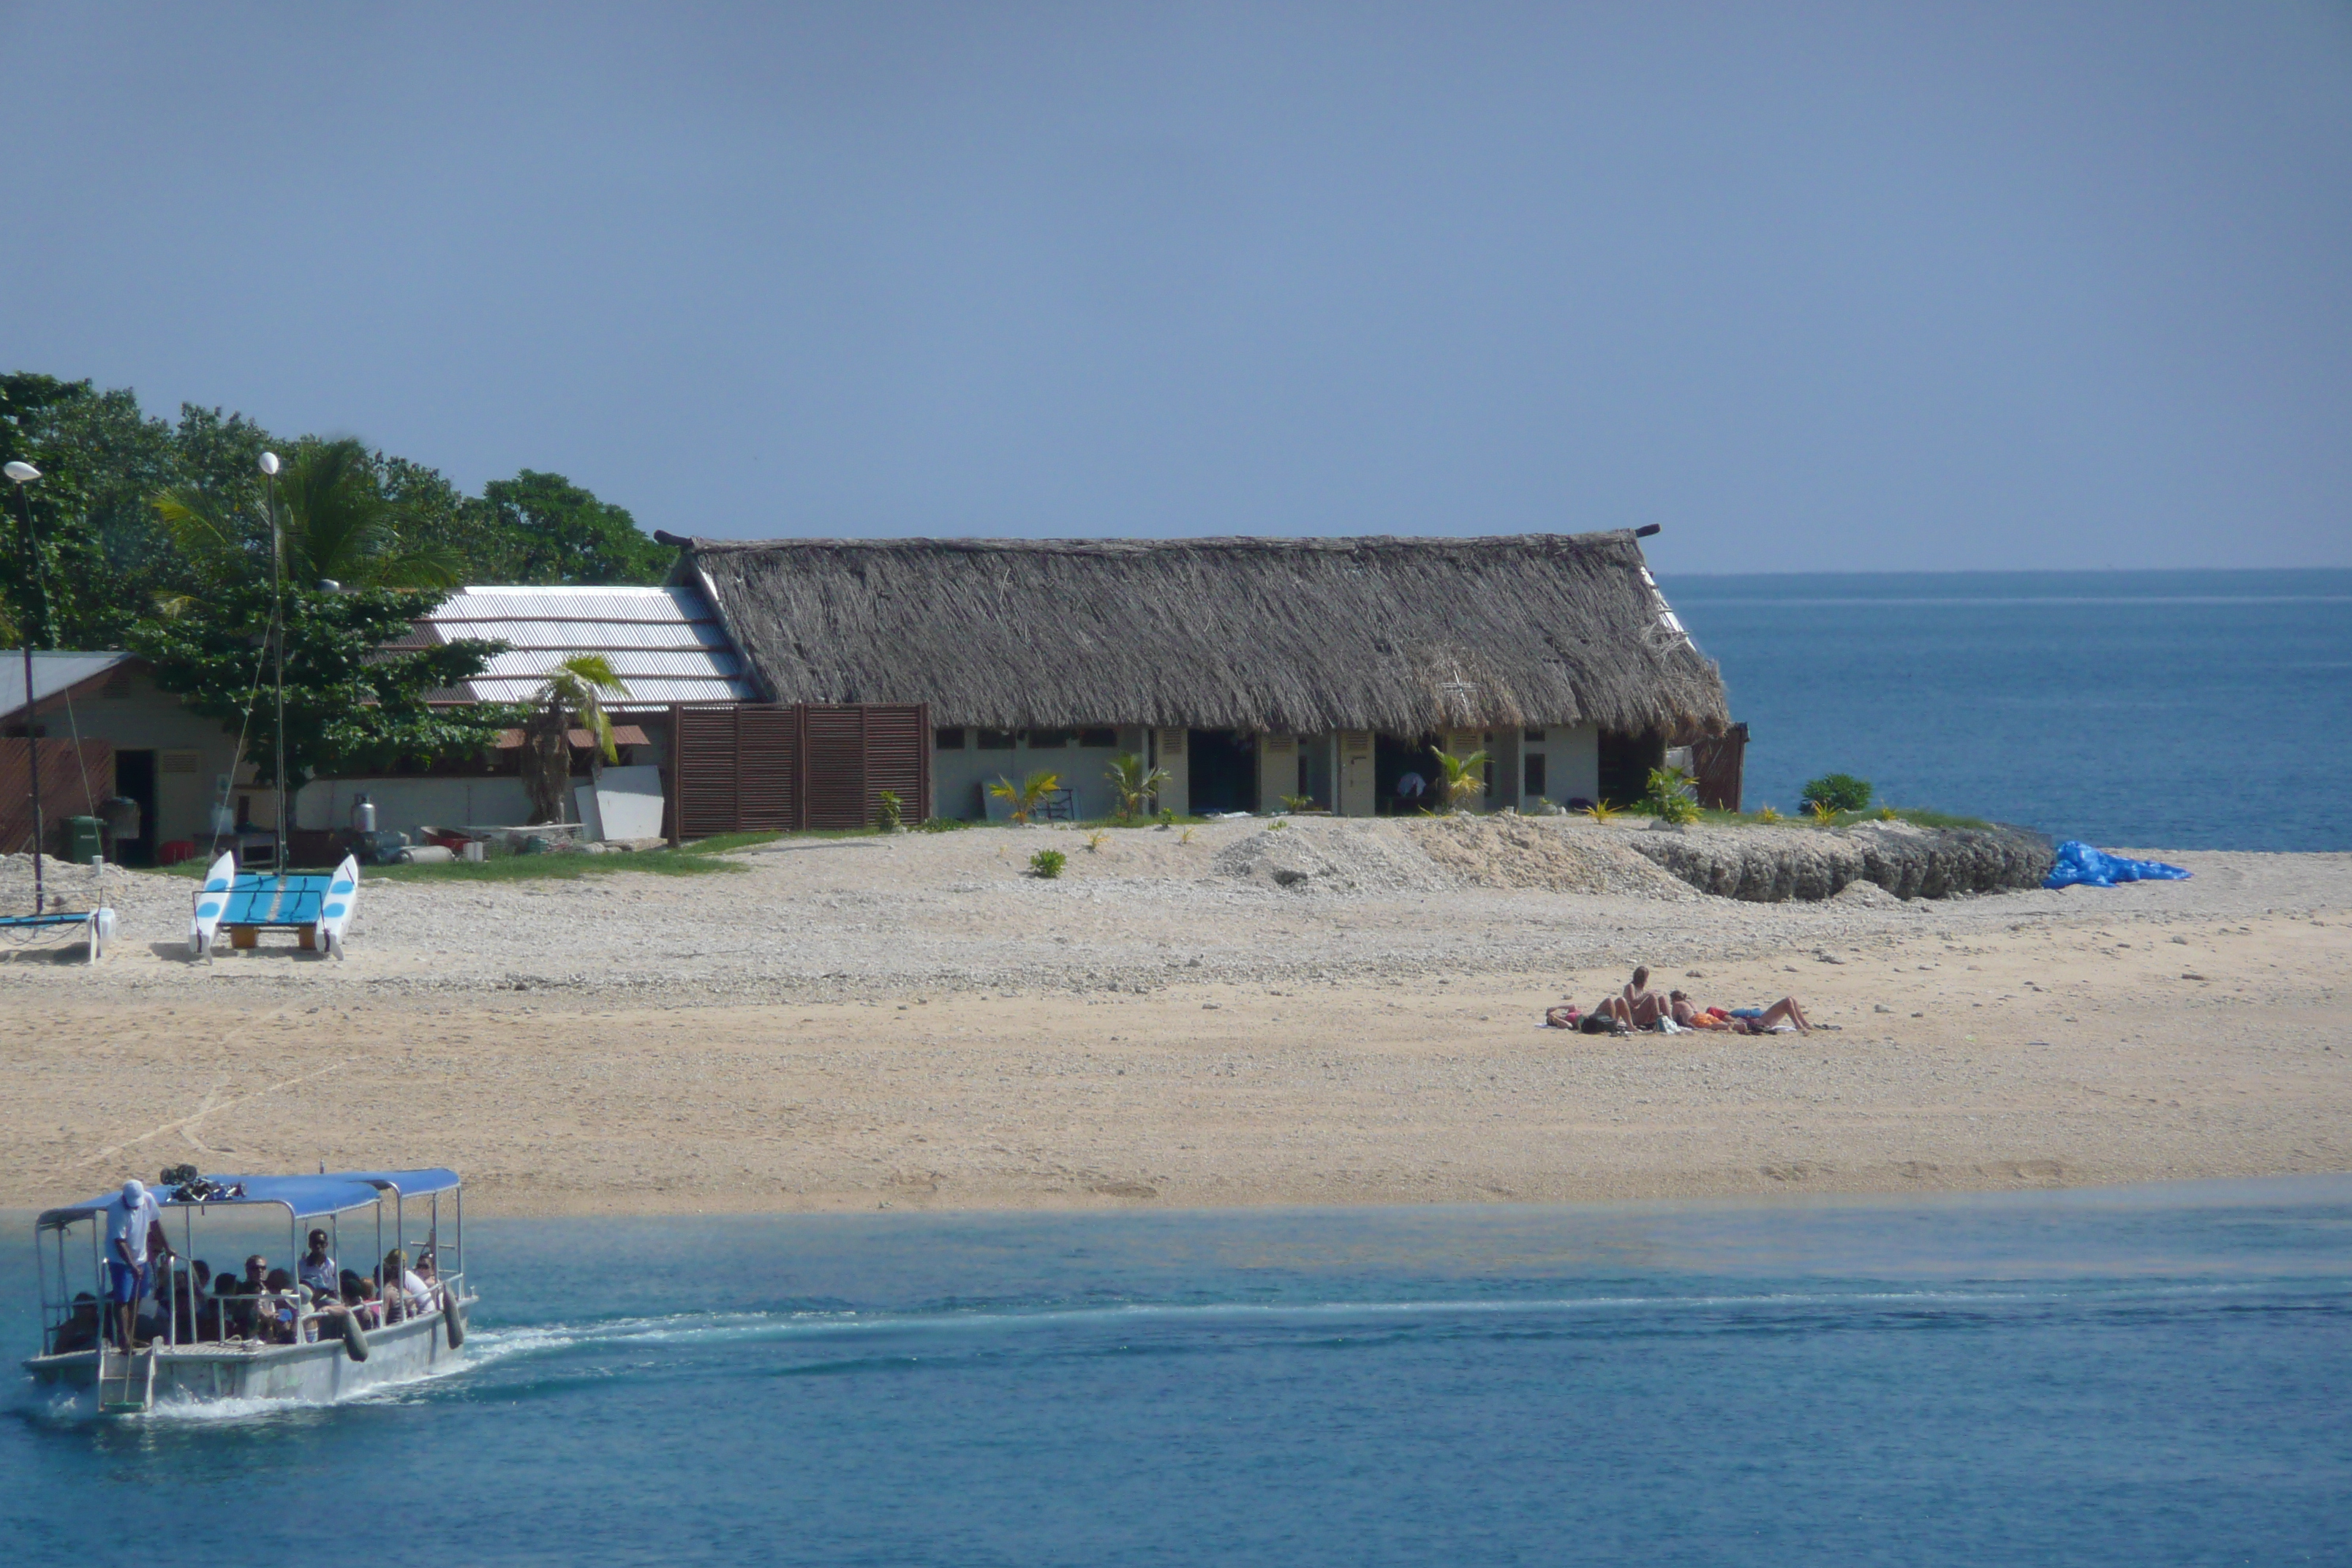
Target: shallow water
2156,1377
2190,710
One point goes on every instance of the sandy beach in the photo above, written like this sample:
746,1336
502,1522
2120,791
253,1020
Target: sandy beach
911,1022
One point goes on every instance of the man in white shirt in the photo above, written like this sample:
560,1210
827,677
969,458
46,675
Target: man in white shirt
317,1269
134,1224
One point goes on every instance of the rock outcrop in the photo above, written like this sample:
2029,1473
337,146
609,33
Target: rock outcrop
1773,865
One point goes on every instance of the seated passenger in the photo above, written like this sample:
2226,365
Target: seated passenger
278,1311
79,1331
402,1290
364,1305
317,1269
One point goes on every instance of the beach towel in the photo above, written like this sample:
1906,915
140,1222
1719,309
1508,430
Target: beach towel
2078,863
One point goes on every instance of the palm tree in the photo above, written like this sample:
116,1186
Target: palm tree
1465,778
574,689
1027,795
334,524
1133,783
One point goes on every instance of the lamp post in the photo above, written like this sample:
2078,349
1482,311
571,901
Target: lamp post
277,625
21,474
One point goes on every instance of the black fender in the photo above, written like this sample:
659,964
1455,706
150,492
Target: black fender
452,1320
355,1343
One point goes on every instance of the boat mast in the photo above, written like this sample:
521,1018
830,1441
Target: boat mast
24,474
277,623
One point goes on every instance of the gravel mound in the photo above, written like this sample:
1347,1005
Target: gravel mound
1562,857
1773,865
1331,855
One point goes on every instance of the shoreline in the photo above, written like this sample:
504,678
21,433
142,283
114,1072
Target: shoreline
904,1024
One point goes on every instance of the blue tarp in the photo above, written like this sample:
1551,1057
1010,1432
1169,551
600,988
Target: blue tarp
2079,864
330,1193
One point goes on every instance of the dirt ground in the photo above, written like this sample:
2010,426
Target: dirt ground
912,1023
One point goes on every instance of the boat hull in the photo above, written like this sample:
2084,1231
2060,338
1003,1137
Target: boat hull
317,1374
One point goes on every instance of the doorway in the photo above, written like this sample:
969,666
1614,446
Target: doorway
1392,759
134,777
1223,773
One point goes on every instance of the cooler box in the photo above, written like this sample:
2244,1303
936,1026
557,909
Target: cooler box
85,843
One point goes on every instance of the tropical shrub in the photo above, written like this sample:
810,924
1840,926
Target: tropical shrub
1821,811
1674,795
1465,778
1839,792
1134,784
1095,841
887,810
1049,863
1600,811
1297,803
1024,798
1766,814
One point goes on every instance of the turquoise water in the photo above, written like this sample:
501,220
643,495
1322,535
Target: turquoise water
2154,1376
2188,710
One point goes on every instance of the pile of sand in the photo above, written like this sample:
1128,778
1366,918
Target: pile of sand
1559,856
1331,855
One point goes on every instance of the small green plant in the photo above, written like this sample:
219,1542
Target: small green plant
1465,778
940,825
1839,792
1296,803
1888,814
1095,840
1167,816
886,811
1026,796
1134,782
1766,814
1822,812
1276,825
1047,863
1185,837
1600,811
1674,795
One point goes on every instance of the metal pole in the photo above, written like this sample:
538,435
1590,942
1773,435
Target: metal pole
278,617
32,731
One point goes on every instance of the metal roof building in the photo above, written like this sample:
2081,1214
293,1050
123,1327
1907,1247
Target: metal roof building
666,644
53,672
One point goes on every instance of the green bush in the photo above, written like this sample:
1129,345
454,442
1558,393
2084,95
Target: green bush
886,811
1837,792
1049,863
1674,795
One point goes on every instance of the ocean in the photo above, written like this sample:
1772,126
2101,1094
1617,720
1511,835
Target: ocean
2156,1375
2171,709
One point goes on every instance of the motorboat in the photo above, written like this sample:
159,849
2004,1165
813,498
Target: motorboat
286,1343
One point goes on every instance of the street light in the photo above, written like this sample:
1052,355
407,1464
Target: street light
278,621
21,474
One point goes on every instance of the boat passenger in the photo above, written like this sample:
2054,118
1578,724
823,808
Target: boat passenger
79,1331
360,1291
278,1314
134,1227
317,1269
407,1294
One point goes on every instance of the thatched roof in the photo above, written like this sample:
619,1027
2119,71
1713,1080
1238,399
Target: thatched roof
1289,636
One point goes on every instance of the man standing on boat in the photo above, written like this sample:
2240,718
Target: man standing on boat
134,1226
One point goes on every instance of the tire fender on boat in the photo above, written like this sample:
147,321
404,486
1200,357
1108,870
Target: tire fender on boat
355,1343
452,1320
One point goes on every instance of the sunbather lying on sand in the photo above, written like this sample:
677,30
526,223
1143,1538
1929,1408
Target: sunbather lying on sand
1741,1021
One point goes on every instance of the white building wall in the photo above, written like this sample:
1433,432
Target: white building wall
409,803
1571,756
960,777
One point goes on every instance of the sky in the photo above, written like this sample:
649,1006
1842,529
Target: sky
1814,288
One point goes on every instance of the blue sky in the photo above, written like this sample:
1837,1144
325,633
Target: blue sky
1815,287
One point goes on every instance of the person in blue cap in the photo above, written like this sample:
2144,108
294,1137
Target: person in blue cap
134,1227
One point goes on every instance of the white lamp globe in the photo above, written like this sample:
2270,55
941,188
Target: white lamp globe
269,463
23,473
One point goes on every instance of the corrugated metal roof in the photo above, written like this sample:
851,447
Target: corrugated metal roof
667,643
52,673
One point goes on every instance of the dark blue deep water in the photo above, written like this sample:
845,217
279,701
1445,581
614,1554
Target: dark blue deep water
2148,1378
2184,709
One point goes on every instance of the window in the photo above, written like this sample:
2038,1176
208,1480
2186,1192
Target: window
1048,739
947,740
1531,734
1102,737
995,740
1535,771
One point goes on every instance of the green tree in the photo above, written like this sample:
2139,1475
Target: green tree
1134,782
1465,778
335,523
351,705
545,528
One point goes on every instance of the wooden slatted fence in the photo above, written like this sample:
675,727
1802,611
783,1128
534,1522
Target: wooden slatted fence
767,768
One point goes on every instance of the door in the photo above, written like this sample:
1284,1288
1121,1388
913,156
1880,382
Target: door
134,776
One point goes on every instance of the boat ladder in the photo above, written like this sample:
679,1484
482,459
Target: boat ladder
126,1382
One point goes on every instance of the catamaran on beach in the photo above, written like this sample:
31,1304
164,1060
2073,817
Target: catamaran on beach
309,1330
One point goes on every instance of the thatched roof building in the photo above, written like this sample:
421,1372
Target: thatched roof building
1284,635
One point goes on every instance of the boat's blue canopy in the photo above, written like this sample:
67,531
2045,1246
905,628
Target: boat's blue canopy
331,1192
